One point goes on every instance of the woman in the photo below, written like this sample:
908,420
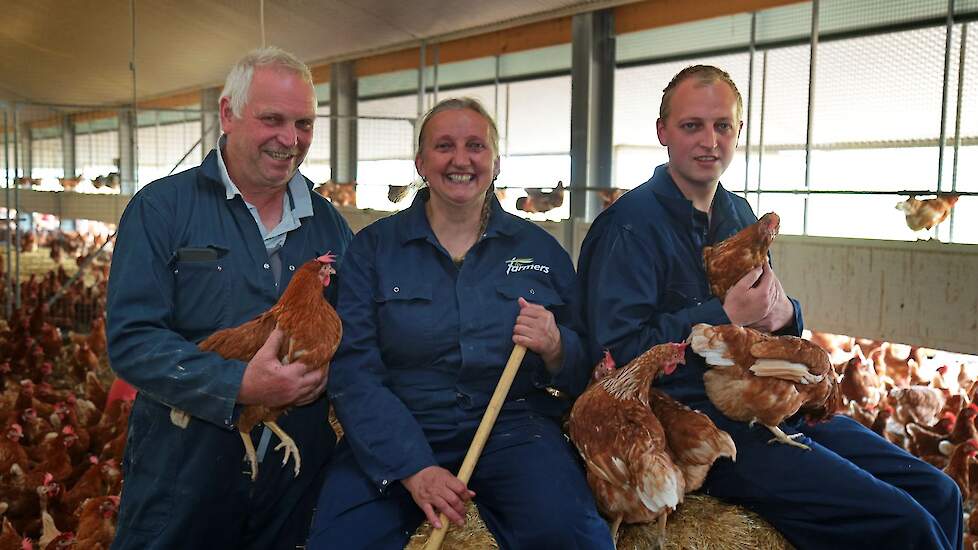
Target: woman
432,301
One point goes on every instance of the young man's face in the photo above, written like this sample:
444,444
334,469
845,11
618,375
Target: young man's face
700,132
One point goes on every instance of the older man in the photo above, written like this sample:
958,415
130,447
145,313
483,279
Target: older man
641,266
203,250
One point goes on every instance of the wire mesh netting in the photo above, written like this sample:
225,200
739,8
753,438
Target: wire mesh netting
168,142
385,154
77,149
316,165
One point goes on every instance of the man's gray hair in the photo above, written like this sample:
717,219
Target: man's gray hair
239,78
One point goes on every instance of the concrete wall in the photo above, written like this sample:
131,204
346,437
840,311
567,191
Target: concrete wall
922,293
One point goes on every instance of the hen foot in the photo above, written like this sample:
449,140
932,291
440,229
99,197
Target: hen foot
781,437
291,449
250,454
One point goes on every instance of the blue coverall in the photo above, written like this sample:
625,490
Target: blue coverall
424,343
189,261
642,272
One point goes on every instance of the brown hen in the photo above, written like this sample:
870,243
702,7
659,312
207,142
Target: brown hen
755,377
695,441
918,404
729,260
958,466
313,330
340,194
925,214
629,468
539,200
860,383
97,521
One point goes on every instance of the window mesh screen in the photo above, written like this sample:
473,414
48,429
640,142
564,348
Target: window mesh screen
46,158
785,117
791,22
167,142
967,179
316,165
97,153
684,39
538,116
849,15
385,149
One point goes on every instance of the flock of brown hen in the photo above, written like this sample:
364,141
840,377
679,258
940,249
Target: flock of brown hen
918,399
62,441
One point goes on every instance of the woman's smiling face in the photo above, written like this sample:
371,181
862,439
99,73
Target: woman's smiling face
457,157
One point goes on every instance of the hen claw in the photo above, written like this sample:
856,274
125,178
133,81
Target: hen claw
291,449
250,454
781,437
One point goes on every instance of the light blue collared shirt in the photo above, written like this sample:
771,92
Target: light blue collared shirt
296,204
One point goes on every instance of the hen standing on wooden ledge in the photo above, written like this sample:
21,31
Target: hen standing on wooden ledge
642,268
211,248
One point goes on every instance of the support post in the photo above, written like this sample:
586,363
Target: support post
343,122
127,151
210,121
68,146
592,114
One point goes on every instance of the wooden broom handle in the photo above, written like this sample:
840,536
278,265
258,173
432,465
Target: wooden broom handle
482,435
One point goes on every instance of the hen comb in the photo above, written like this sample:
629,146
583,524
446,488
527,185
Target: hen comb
327,258
48,478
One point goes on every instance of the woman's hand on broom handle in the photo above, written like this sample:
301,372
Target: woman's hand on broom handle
436,490
536,330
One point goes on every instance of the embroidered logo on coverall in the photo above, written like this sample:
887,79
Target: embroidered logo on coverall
524,264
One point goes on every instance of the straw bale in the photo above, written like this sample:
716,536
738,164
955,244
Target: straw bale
700,523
